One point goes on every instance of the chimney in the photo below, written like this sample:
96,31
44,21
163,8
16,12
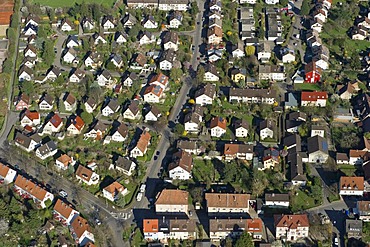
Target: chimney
163,218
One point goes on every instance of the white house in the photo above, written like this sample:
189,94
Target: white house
46,150
114,190
54,125
170,41
141,146
292,227
153,114
69,56
64,213
90,105
75,126
120,134
146,37
234,151
66,26
25,74
276,200
120,37
271,1
351,186
27,143
267,129
7,175
241,128
172,201
218,126
70,102
205,95
124,165
30,51
133,111
218,203
105,79
166,60
181,166
211,73
111,108
63,162
82,231
152,94
30,118
72,41
108,22
87,176
149,22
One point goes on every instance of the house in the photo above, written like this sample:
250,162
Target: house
133,111
288,55
63,162
108,22
277,200
30,62
23,102
75,126
292,143
220,229
152,93
346,91
81,231
170,40
166,60
264,52
181,166
164,229
238,75
297,116
25,74
291,100
351,186
317,24
215,5
175,19
255,228
218,126
7,175
124,165
69,101
214,14
27,143
54,124
70,55
120,37
227,203
172,201
141,146
77,75
359,33
241,128
214,35
30,118
291,227
52,74
297,176
237,51
292,126
354,229
138,61
88,24
153,114
97,131
271,158
271,72
149,22
90,105
120,133
105,79
188,146
211,73
205,95
321,57
247,1
113,191
234,151
32,19
129,79
193,119
64,213
312,72
267,129
314,99
87,176
46,150
317,149
342,158
318,130
30,30
129,20
363,210
111,107
116,60
93,60
159,80
30,190
72,41
357,157
320,13
30,51
66,25
99,38
146,37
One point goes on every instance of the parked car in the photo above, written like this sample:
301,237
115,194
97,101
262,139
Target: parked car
142,188
139,196
97,221
63,194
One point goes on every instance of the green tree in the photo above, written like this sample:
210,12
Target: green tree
200,74
250,50
175,74
121,201
305,9
245,240
303,130
48,52
179,129
87,117
27,87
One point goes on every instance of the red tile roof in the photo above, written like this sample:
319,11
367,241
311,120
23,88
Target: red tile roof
313,96
30,187
150,225
3,170
32,115
63,209
55,120
78,122
292,221
351,183
254,225
80,225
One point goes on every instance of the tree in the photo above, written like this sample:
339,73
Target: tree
27,87
303,130
48,52
245,240
179,129
175,74
87,117
250,50
305,9
121,201
200,74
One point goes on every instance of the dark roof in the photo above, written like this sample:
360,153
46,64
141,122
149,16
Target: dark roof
276,197
317,143
241,123
47,98
168,55
297,116
122,129
210,68
134,107
99,125
69,98
209,90
156,112
170,36
123,162
296,167
291,140
113,104
185,144
271,124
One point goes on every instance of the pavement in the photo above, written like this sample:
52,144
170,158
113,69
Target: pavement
59,49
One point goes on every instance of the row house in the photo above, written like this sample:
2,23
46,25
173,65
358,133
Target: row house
276,200
271,72
7,174
227,203
238,151
246,23
291,227
249,95
172,201
223,228
30,190
363,210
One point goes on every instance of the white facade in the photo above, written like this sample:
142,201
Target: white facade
247,1
50,128
241,132
165,65
7,174
288,58
107,111
266,132
217,131
111,197
31,122
151,98
172,208
117,137
318,102
291,234
30,53
208,76
151,117
175,23
65,27
150,25
203,100
68,58
191,127
24,76
172,6
179,173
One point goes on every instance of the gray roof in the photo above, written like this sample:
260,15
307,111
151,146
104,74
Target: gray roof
271,124
296,167
317,143
272,197
124,163
291,140
208,90
48,147
185,144
113,104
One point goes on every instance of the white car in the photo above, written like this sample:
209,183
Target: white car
139,196
336,242
142,188
63,194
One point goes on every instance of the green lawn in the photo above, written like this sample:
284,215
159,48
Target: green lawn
70,3
307,87
302,201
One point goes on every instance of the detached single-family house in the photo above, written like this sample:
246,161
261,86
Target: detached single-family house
70,55
93,60
264,52
170,40
211,73
72,41
141,145
63,162
297,176
193,119
357,157
99,38
54,125
105,79
238,75
77,76
172,201
152,93
133,111
314,99
153,114
7,175
234,151
81,231
218,126
205,95
88,24
52,74
30,118
46,150
66,25
113,191
116,60
159,80
267,129
75,126
149,22
362,210
146,37
70,102
175,19
292,227
27,143
124,165
271,158
214,35
129,79
30,51
97,131
25,74
110,108
181,166
108,22
23,102
318,151
167,59
351,186
189,146
120,133
87,176
120,37
90,105
129,20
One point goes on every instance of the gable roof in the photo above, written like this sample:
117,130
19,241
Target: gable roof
241,123
160,78
317,143
114,188
123,162
3,170
233,148
113,104
226,200
84,173
32,115
313,96
63,209
150,225
79,226
170,36
154,89
55,120
77,122
143,141
272,197
30,187
291,221
208,90
182,159
69,98
65,159
218,122
296,167
351,183
172,197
